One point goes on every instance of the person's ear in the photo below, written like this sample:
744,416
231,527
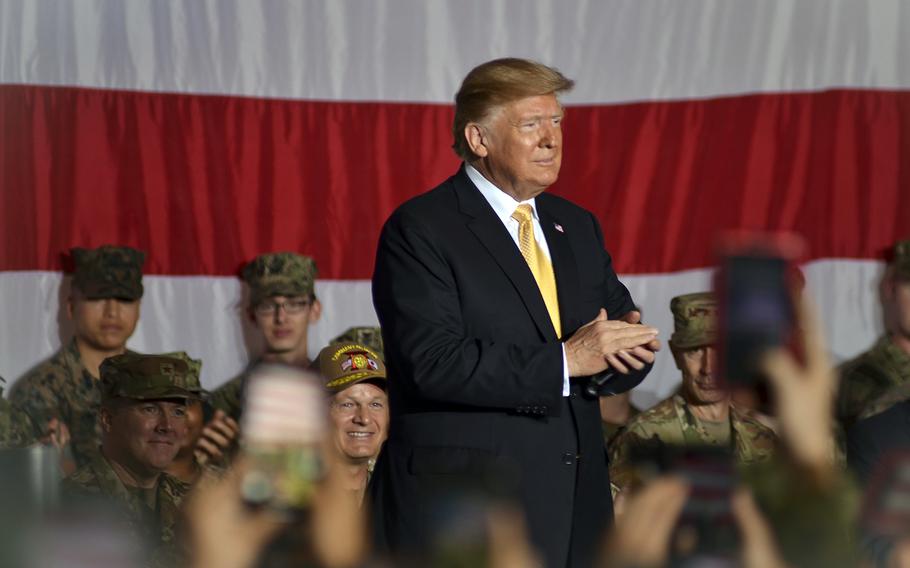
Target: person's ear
315,311
106,419
476,137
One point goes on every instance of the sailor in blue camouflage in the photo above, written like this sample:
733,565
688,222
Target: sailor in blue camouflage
104,307
143,413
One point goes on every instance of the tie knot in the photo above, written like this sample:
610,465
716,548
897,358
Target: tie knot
523,213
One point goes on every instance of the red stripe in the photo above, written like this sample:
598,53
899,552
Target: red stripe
204,183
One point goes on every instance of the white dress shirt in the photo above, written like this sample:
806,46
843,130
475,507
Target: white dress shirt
504,205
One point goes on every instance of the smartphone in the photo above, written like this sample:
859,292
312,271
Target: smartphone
755,286
284,425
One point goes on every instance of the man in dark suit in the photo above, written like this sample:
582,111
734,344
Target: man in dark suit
499,306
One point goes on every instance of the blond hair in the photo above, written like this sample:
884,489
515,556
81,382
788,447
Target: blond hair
498,82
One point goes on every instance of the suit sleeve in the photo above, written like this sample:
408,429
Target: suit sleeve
430,353
618,302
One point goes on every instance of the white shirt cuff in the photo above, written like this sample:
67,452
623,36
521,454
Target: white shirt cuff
565,372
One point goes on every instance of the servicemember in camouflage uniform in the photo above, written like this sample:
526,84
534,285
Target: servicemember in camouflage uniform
364,335
16,427
104,308
868,378
143,412
701,414
355,378
283,306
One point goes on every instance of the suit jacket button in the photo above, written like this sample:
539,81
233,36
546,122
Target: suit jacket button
568,458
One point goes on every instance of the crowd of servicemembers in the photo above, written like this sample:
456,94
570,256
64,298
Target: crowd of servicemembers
138,432
509,342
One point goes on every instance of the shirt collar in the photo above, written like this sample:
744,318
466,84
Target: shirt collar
501,202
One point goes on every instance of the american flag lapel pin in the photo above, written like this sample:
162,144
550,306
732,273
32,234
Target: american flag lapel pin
558,227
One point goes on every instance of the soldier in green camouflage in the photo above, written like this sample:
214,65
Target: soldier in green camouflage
143,411
282,306
701,414
16,427
104,308
870,376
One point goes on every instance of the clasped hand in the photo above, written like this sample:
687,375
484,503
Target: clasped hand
622,345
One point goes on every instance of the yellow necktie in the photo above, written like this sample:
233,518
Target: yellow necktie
538,262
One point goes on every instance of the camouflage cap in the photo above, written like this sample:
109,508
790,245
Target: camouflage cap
694,320
364,335
145,377
194,370
108,272
345,364
279,274
902,259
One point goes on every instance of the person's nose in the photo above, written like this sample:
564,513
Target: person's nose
549,135
710,363
362,416
165,423
281,313
111,308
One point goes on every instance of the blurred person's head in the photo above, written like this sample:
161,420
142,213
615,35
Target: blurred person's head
283,303
693,345
195,407
105,296
508,124
895,293
355,378
143,411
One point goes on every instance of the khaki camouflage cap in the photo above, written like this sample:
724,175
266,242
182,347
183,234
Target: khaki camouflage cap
694,320
345,364
194,370
364,335
108,272
902,259
279,274
145,377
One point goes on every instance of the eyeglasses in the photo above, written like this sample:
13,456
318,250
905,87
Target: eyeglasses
291,307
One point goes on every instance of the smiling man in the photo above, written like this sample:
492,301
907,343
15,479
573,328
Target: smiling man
143,412
104,308
701,413
282,307
355,378
493,297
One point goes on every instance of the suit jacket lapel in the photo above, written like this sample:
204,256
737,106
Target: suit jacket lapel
488,228
564,266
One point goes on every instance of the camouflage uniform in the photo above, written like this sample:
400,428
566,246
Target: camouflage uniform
16,427
268,275
151,514
369,336
871,375
62,387
672,422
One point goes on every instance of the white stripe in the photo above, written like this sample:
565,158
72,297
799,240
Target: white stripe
419,50
202,315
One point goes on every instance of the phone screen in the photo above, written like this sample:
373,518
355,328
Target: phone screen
756,312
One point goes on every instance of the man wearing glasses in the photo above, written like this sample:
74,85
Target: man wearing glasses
282,307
